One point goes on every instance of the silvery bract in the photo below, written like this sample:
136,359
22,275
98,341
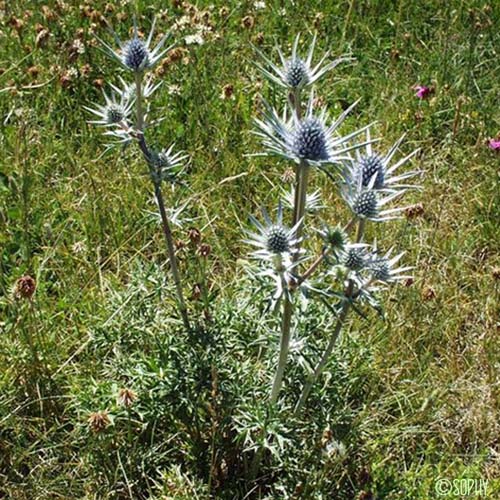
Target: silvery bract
136,54
295,72
116,110
369,163
308,138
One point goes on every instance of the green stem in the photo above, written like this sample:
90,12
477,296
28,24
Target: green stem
171,254
324,359
161,204
284,347
361,230
139,104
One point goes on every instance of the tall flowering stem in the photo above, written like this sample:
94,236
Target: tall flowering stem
138,56
344,311
324,358
167,231
301,179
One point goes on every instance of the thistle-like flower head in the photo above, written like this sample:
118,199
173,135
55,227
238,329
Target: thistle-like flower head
369,163
274,241
136,54
166,165
116,110
334,238
307,139
384,268
354,256
296,72
366,202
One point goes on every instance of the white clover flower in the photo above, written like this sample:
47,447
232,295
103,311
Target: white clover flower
196,39
136,54
368,164
295,72
308,138
116,110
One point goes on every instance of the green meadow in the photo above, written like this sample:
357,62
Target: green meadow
103,392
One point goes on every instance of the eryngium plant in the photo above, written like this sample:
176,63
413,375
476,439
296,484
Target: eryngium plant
348,272
164,165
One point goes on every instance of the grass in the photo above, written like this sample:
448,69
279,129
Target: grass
411,399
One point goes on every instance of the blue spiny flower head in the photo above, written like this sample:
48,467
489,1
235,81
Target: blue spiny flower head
383,267
367,202
277,239
354,257
370,164
116,110
380,269
296,72
273,238
166,165
115,114
136,54
307,139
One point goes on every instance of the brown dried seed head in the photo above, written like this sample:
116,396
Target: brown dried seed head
25,287
414,211
196,292
205,250
48,13
99,83
33,71
227,91
126,397
428,293
98,421
248,22
496,273
288,175
16,23
194,236
42,38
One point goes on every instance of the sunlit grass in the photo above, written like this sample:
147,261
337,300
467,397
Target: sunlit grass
413,398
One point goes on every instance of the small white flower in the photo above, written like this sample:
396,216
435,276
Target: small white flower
195,39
